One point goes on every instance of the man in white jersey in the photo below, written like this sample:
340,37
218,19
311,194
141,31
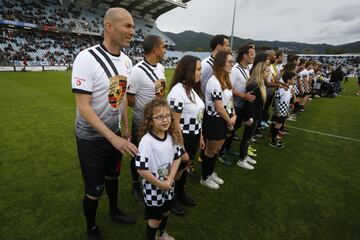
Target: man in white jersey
147,82
99,81
217,43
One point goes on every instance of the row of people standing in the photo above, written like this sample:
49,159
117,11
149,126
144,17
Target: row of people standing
199,114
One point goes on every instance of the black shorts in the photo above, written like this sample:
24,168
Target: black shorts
155,212
191,144
98,158
214,128
278,119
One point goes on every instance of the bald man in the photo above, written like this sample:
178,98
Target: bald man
99,82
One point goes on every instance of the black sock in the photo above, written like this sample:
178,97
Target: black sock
162,225
213,163
206,166
273,132
111,187
90,207
150,232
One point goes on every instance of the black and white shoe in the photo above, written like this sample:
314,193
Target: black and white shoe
276,144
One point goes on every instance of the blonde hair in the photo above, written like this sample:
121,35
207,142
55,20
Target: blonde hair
257,77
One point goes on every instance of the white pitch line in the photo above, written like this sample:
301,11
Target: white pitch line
325,134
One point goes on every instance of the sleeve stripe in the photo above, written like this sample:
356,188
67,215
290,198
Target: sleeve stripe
76,90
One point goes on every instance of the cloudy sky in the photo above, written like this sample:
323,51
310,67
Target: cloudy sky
311,21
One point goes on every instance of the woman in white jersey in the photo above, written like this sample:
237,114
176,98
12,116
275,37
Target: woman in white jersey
188,110
219,116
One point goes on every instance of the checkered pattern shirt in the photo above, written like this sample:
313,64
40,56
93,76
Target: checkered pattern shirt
214,92
157,156
282,102
191,111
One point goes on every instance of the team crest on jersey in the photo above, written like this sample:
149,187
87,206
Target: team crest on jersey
160,88
117,90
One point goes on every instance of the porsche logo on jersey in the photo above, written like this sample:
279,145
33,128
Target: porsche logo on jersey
160,88
117,90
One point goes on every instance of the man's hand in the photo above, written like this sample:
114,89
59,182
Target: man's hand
249,97
124,146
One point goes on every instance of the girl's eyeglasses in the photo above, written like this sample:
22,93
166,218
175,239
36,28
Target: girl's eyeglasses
162,117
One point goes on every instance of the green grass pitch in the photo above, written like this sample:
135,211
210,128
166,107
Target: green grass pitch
309,190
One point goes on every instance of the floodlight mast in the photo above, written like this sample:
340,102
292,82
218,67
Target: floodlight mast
232,29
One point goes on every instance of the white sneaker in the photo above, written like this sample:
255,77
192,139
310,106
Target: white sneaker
165,236
291,118
250,160
245,164
216,179
209,183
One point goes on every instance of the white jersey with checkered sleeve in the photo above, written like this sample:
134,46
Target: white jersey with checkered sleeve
206,71
142,83
282,101
238,77
157,155
214,92
103,76
191,111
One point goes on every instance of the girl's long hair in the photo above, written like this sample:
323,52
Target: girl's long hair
146,124
257,77
218,67
185,74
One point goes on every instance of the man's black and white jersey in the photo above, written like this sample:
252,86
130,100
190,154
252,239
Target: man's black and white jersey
142,83
214,92
238,77
191,112
157,156
206,71
103,76
282,101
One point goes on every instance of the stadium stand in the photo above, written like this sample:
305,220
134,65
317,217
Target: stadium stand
47,32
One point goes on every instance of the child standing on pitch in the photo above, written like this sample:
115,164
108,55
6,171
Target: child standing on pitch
281,108
157,163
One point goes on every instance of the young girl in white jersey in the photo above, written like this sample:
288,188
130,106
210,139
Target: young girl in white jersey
157,163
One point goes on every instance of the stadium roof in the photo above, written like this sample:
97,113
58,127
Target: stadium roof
144,8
